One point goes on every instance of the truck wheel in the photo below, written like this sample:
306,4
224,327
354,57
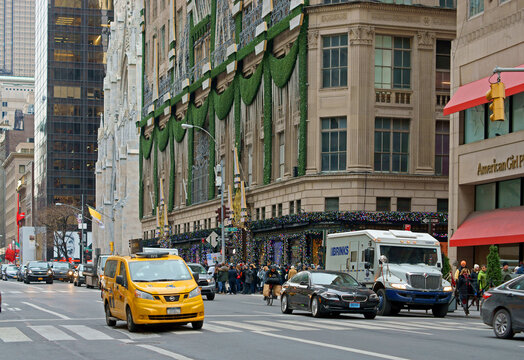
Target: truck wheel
440,311
384,305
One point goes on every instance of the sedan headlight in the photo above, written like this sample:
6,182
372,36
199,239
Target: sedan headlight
194,293
143,295
399,286
49,271
373,296
329,295
210,281
447,289
29,271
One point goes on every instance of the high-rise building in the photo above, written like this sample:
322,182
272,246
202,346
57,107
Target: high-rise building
17,37
71,45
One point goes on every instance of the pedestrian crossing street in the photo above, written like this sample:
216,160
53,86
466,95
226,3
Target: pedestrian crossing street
29,333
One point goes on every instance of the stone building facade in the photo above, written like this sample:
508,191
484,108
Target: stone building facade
117,164
334,109
487,157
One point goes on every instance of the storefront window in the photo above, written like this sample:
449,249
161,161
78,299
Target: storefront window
474,124
498,128
518,112
485,197
509,193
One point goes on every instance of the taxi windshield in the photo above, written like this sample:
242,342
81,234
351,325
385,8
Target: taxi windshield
158,270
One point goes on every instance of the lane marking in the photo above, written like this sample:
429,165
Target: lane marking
87,333
188,331
319,326
12,334
218,329
246,326
276,324
47,311
51,333
332,346
137,336
167,353
375,327
49,320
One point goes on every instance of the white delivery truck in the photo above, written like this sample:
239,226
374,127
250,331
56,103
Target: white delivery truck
402,267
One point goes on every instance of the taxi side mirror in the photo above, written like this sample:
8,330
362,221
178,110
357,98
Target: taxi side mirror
120,280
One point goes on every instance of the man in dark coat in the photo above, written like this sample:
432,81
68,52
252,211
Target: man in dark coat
232,279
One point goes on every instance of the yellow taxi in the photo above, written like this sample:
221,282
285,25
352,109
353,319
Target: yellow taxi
151,288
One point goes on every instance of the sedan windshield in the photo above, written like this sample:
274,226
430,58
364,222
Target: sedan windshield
38,265
61,266
339,279
158,270
409,255
198,269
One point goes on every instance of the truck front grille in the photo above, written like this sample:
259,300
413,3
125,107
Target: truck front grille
425,281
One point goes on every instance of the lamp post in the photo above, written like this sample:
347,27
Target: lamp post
189,126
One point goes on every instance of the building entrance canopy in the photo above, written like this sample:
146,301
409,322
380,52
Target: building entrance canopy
474,93
501,226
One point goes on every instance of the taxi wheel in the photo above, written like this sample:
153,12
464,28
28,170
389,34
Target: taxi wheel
109,321
197,325
131,326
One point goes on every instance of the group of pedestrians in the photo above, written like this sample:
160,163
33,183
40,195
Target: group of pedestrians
250,278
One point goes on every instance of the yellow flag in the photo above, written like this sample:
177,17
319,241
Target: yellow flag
95,215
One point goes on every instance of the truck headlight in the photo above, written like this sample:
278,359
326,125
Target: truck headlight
50,271
194,293
210,281
143,295
447,288
399,286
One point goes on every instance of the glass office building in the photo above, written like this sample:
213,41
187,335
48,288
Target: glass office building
71,44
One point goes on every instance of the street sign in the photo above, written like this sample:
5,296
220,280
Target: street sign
230,229
434,220
82,226
212,239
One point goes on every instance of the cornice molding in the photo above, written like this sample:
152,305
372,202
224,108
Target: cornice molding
321,8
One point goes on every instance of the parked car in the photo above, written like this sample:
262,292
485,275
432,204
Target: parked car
10,272
60,270
323,292
503,308
78,275
38,271
2,272
206,282
20,276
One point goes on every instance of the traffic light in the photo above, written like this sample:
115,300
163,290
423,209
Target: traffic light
496,94
226,212
219,215
111,246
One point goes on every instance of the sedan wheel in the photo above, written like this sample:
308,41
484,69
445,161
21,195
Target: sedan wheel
315,307
284,305
502,324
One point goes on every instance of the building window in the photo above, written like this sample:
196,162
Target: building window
485,196
299,206
4,103
291,207
163,43
442,148
392,62
475,7
281,155
383,204
404,204
331,204
442,205
391,145
334,144
474,124
21,169
263,212
517,112
280,209
443,63
449,4
335,61
509,193
250,165
273,211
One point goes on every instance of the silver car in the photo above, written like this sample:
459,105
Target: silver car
206,282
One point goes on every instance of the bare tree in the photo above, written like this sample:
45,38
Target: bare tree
59,221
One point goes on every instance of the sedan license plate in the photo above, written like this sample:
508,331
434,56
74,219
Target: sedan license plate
354,305
173,311
40,278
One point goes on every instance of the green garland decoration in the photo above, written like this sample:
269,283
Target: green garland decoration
237,114
171,200
190,160
302,81
140,182
191,45
200,29
176,128
163,136
281,69
146,144
268,109
224,101
198,115
155,178
212,144
249,87
213,26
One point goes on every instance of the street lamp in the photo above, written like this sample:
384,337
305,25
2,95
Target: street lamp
189,126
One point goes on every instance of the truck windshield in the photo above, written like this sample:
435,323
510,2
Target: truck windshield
409,255
158,270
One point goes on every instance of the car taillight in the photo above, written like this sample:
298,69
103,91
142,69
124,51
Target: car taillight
486,295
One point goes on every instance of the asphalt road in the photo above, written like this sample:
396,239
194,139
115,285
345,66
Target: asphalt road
60,321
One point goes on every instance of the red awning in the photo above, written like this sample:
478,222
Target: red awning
474,93
501,226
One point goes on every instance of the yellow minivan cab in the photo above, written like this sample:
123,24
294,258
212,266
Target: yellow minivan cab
151,288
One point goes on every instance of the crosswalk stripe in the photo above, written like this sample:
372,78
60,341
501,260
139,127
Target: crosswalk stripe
314,326
375,326
218,329
15,292
245,326
51,333
279,324
12,334
137,336
434,327
87,333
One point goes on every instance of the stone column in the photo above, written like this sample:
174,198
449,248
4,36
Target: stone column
313,124
361,100
422,149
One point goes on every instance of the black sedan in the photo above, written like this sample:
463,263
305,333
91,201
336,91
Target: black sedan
78,275
38,271
503,308
61,271
323,292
